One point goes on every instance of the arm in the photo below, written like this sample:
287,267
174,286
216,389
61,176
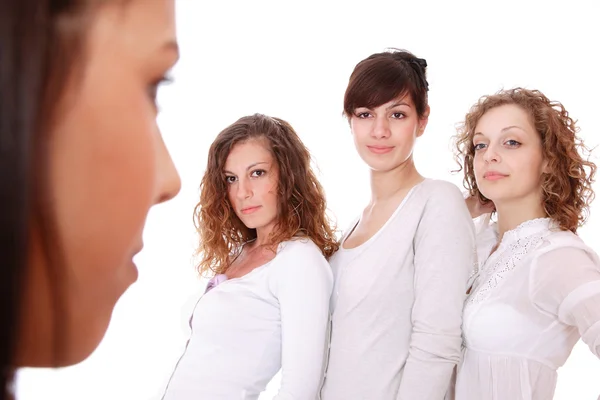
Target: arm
566,283
303,287
477,208
444,257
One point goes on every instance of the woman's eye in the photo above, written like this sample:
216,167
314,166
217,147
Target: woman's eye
230,179
398,115
478,146
153,87
512,143
363,115
258,172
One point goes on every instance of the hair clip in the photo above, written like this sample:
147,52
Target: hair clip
419,61
423,64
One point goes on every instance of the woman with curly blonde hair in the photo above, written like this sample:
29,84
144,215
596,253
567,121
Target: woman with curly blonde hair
537,288
265,237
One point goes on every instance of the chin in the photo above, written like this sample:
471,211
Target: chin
84,343
378,165
248,224
495,195
382,168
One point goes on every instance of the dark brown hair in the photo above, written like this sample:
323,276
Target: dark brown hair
302,210
567,188
40,46
383,77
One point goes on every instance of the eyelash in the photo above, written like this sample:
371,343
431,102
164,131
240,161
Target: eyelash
262,173
516,144
153,87
363,114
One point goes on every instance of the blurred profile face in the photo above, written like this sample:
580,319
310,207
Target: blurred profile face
108,167
509,160
252,177
385,136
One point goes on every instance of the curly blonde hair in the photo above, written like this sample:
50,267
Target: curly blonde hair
567,189
302,210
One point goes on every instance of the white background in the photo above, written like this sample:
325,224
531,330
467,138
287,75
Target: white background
293,60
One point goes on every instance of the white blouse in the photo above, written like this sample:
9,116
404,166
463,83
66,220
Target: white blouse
398,299
532,300
245,329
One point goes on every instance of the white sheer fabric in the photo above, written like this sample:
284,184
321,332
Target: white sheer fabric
532,300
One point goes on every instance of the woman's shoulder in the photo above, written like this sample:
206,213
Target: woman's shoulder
563,239
440,197
300,248
299,256
440,187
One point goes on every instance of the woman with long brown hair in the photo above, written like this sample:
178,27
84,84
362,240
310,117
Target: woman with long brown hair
81,163
264,239
537,289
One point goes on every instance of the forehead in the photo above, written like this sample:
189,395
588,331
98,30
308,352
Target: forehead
403,99
498,118
141,25
249,152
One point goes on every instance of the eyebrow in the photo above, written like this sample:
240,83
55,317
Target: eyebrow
502,130
249,167
511,127
399,103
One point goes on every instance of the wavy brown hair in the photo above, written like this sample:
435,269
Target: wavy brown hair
302,210
567,189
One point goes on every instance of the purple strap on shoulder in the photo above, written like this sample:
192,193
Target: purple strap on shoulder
215,281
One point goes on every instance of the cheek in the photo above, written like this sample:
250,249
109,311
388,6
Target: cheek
477,163
231,197
360,131
532,167
268,189
103,181
404,129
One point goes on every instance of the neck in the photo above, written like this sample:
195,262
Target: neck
263,236
384,185
512,214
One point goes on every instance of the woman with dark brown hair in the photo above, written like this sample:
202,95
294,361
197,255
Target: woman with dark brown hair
81,163
537,289
265,239
402,269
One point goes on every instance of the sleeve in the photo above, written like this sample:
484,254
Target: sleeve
565,282
303,286
444,249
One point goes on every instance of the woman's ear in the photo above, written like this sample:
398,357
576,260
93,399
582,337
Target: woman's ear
423,121
545,167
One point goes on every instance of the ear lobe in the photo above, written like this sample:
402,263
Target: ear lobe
545,167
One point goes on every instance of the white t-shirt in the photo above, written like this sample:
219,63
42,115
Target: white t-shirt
245,329
398,299
532,300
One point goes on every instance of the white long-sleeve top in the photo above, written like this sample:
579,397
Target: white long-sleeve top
245,329
398,299
532,300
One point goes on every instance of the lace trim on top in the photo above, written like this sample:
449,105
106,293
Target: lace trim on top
515,246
